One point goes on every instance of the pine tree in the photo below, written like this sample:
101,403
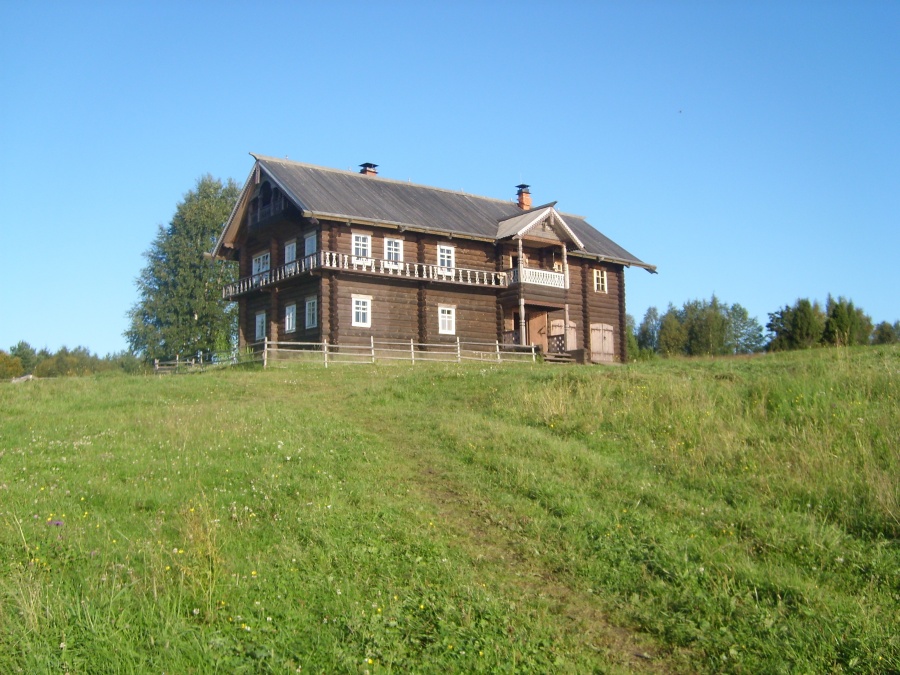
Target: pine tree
181,310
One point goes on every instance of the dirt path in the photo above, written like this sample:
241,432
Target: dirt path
505,556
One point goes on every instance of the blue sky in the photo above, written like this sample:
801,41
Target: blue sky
751,150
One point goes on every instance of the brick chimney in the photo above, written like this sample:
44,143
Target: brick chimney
524,196
368,169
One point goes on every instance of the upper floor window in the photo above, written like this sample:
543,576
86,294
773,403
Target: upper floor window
309,244
600,281
446,256
393,251
362,245
290,251
261,263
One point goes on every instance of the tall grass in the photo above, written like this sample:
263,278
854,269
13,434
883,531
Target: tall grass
732,515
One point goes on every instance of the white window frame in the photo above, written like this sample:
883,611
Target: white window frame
290,251
601,281
312,311
362,249
260,326
290,318
397,261
447,319
446,253
361,311
309,244
261,264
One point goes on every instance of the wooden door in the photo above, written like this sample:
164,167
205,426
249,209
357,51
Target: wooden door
537,329
556,331
602,345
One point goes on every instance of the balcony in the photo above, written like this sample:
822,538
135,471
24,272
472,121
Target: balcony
278,204
538,277
330,260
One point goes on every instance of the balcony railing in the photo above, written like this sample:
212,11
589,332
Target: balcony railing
277,204
539,277
390,268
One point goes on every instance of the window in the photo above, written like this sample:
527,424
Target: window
290,318
600,285
446,259
312,311
290,251
309,244
393,252
260,325
260,263
362,311
447,319
362,249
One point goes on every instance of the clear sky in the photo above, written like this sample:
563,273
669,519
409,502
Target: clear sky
748,149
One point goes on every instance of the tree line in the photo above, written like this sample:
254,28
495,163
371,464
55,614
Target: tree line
23,359
714,328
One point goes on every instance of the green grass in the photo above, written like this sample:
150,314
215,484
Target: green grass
737,515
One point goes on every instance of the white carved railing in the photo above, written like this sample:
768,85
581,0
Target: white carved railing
344,261
531,275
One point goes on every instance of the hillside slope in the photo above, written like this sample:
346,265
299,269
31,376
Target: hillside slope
709,515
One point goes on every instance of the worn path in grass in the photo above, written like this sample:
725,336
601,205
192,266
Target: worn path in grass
491,533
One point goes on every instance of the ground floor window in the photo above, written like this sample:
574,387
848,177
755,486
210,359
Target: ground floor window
312,311
290,318
362,311
260,325
447,320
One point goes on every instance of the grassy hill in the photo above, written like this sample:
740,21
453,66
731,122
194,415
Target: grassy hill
738,515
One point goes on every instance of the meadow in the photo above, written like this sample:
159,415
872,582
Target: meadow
676,516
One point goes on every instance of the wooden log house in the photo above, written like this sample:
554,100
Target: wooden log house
342,256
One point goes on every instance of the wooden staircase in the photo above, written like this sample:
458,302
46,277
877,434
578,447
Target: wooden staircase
559,357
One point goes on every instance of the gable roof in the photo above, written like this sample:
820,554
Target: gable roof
546,216
321,192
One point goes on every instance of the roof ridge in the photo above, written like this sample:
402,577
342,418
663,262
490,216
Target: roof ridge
381,178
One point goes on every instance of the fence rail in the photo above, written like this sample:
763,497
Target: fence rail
375,351
268,352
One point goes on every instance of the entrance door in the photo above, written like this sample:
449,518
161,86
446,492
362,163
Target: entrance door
602,349
537,329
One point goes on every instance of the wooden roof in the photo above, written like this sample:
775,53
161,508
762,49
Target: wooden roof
321,192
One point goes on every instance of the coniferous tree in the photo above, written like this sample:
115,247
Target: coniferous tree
846,324
26,355
797,327
181,310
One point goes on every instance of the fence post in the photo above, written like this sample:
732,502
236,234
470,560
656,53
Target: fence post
412,351
156,366
498,351
458,351
265,351
372,338
325,350
533,354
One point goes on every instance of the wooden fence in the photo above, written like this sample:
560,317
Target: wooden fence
268,352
